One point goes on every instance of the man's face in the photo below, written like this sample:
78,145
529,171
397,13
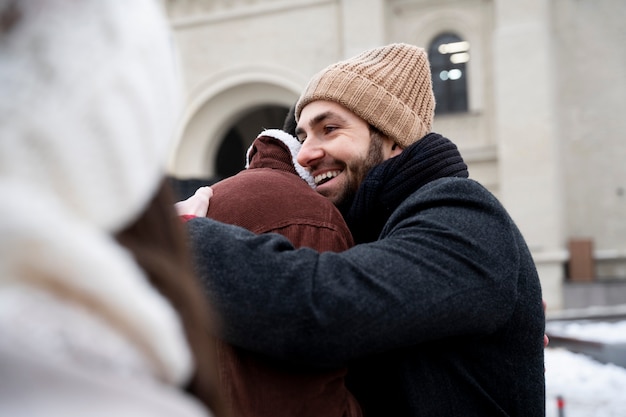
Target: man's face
338,149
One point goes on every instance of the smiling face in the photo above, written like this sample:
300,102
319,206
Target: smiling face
339,148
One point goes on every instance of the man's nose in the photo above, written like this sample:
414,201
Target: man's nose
309,152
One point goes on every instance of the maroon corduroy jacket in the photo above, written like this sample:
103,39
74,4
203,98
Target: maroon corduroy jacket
270,197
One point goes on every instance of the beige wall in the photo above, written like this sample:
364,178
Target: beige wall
546,92
591,84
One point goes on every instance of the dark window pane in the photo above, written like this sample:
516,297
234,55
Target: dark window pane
448,54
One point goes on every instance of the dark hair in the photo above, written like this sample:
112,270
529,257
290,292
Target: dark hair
290,124
375,131
158,243
9,16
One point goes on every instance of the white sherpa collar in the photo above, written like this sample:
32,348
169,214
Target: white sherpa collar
294,147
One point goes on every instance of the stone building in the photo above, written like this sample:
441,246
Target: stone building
531,92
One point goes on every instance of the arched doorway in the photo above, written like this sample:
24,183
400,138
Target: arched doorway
230,156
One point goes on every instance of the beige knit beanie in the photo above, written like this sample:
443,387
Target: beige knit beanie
389,87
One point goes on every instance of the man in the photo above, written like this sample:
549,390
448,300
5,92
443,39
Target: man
438,310
272,196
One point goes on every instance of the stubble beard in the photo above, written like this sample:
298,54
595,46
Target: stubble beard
357,171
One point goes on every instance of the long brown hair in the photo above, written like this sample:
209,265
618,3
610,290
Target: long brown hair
158,242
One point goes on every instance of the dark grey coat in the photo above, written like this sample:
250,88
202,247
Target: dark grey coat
441,316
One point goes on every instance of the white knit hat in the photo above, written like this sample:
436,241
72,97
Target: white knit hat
88,105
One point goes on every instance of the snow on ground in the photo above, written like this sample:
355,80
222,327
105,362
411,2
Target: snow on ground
588,388
607,332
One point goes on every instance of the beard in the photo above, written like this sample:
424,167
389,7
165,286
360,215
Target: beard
357,171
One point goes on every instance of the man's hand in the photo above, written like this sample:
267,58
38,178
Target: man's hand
196,205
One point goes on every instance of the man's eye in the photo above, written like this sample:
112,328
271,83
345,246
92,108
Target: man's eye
329,129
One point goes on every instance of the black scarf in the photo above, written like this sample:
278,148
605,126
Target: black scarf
392,181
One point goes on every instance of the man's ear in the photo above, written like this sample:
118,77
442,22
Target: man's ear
390,147
396,150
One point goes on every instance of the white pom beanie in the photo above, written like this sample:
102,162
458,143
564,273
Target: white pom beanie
88,102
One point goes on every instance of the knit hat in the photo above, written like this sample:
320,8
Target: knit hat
90,100
389,87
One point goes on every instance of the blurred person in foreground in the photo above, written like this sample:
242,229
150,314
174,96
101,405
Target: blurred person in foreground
437,310
100,313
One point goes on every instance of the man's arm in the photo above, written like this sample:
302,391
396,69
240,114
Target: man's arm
435,275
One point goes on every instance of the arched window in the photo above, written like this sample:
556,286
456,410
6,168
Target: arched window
448,54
